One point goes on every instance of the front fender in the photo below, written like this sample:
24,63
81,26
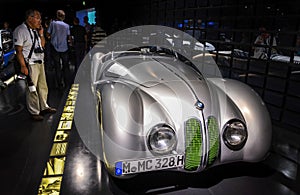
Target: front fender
126,114
255,114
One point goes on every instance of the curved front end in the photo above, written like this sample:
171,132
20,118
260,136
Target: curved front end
162,114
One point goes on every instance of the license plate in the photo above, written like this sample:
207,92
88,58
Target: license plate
148,164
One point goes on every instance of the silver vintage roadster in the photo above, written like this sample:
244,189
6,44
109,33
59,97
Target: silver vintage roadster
157,111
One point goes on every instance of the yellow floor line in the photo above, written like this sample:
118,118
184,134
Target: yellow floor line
52,178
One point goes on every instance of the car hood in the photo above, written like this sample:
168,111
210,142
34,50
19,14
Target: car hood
164,79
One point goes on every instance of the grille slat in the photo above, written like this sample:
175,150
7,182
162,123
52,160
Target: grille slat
193,144
214,141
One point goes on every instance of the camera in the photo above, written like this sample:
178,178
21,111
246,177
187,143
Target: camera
38,50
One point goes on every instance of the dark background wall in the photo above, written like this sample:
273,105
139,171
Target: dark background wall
227,24
126,13
233,24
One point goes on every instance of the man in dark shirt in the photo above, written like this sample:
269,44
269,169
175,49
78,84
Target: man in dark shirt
79,36
88,29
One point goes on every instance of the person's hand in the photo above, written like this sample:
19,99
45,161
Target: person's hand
41,30
24,70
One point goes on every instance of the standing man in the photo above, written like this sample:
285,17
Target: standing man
28,38
6,27
88,29
59,33
98,34
79,35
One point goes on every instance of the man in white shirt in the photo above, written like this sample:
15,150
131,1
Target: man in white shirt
29,36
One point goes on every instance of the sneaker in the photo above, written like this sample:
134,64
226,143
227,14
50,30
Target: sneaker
48,111
37,117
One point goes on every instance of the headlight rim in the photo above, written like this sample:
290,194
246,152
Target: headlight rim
242,144
154,130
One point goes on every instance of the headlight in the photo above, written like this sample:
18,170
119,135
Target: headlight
161,139
235,135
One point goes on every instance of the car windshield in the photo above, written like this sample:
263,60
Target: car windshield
150,68
146,54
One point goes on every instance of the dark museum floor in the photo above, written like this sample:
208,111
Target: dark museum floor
26,146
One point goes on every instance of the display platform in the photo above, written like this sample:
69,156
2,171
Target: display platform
49,157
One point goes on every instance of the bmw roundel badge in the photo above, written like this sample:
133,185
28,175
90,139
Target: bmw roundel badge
199,105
